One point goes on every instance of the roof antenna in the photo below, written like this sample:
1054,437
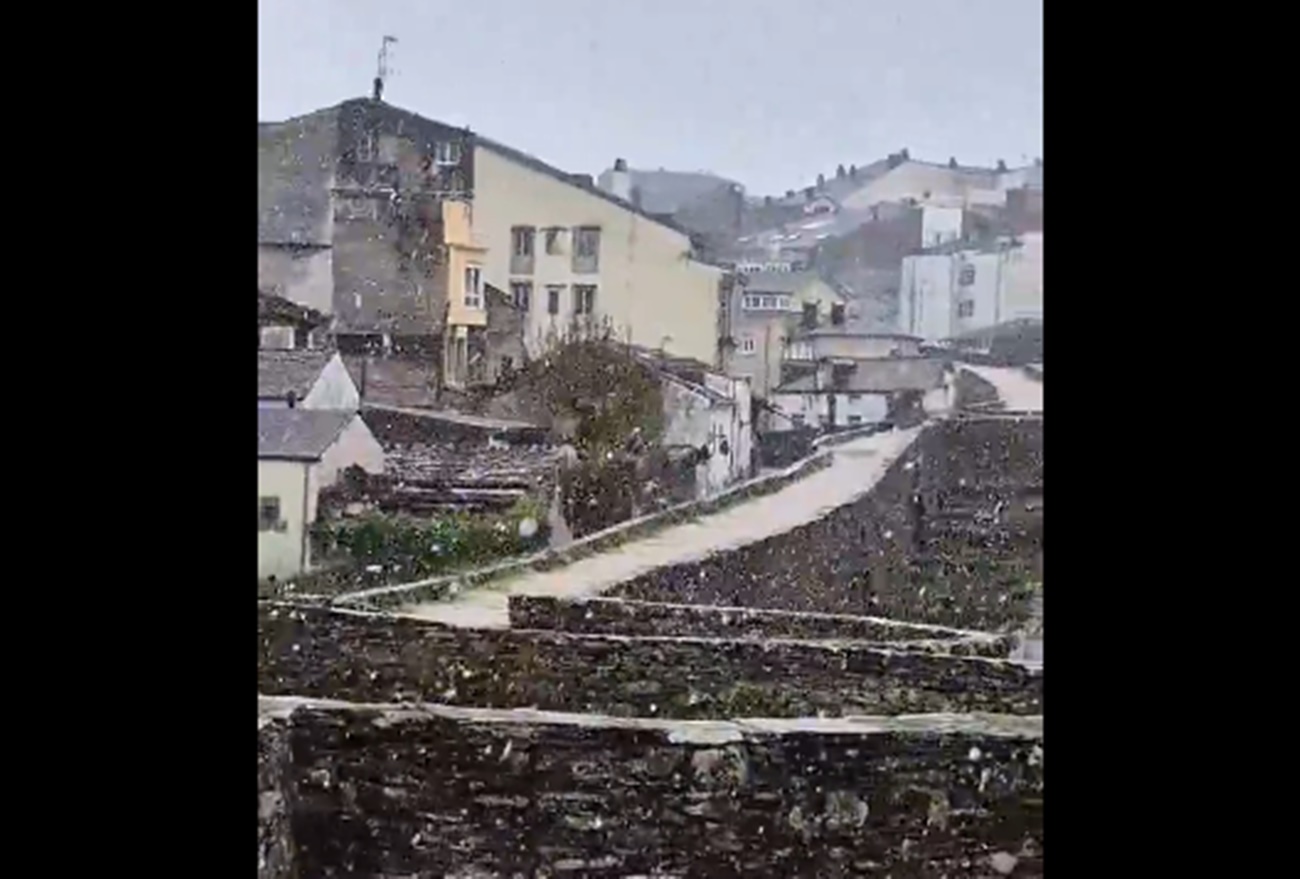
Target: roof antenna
382,74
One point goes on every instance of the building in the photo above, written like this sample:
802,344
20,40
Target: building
848,343
853,393
956,289
355,203
299,452
709,413
305,379
707,205
764,309
573,255
285,325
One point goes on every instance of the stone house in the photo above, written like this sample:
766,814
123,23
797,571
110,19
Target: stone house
300,452
854,393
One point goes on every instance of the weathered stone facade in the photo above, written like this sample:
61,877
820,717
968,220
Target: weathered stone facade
376,658
387,791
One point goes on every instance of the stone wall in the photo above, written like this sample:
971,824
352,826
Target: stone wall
274,851
871,557
385,792
358,657
617,616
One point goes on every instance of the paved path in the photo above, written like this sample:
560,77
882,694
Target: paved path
855,468
1018,392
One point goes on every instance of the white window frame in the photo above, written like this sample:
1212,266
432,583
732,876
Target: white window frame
473,286
581,292
748,345
446,153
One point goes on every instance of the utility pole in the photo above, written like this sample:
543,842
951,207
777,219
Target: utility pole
381,76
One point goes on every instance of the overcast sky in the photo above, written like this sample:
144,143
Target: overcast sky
767,92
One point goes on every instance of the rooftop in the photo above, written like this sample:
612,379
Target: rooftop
779,282
878,376
298,434
280,373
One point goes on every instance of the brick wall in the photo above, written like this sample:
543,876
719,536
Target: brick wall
377,658
384,792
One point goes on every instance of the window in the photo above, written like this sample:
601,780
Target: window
854,398
966,309
553,292
268,514
446,153
366,148
584,299
553,240
855,419
748,345
521,293
473,287
521,240
966,276
586,250
797,420
354,207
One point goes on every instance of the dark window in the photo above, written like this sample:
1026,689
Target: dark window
837,314
855,419
584,299
966,309
809,315
521,293
553,298
966,276
268,514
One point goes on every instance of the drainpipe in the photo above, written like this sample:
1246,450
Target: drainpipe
306,480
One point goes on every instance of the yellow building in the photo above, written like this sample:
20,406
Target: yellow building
466,296
569,253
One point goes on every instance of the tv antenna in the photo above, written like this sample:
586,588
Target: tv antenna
382,75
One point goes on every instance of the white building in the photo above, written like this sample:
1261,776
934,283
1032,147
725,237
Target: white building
942,295
310,379
855,393
299,452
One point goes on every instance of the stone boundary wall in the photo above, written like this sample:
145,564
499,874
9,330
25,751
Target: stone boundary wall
867,558
437,588
617,616
324,653
384,791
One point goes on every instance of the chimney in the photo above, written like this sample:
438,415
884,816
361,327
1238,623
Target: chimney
620,181
379,89
1002,166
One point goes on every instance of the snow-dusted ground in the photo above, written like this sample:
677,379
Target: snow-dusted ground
855,468
1018,392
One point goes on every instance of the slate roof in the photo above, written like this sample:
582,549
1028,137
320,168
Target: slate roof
298,434
667,192
876,377
279,372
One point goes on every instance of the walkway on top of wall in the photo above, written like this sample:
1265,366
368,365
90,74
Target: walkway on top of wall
1017,391
855,468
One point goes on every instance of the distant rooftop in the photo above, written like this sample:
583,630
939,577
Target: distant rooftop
876,376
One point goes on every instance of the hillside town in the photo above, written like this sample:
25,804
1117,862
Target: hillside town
630,523
417,274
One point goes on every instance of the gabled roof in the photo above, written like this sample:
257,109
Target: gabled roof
272,310
298,434
282,372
